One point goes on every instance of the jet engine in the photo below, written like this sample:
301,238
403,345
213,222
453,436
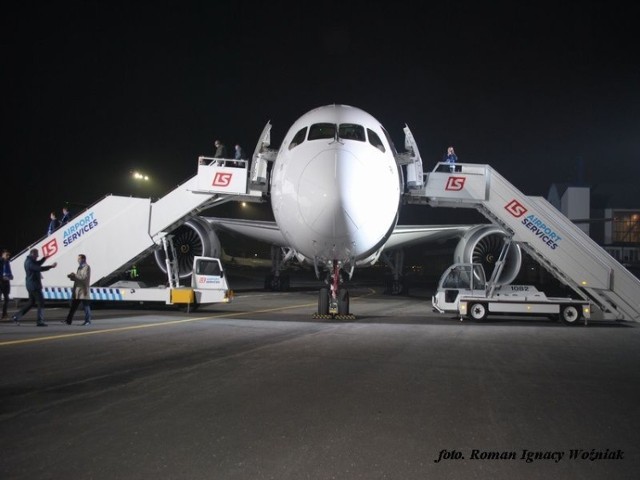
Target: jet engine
483,244
192,239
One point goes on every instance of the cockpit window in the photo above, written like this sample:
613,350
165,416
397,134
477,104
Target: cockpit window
322,130
351,131
298,138
374,139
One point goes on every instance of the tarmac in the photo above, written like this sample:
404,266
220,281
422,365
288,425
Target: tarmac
259,389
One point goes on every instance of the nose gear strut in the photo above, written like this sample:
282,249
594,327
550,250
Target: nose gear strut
333,301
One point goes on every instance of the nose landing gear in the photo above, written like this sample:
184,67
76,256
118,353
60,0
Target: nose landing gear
333,301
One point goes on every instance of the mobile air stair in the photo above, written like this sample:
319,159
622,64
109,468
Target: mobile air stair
118,231
542,231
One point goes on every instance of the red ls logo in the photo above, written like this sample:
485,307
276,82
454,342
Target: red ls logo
515,208
50,248
222,179
455,183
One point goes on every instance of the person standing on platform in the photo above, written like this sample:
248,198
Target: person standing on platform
451,158
238,155
220,154
221,150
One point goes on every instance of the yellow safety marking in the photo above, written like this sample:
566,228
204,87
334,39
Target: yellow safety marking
150,325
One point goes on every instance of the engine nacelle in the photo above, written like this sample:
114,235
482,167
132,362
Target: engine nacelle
193,238
483,244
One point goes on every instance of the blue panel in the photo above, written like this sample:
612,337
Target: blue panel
65,293
56,293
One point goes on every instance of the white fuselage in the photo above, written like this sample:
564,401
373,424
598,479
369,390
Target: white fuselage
335,185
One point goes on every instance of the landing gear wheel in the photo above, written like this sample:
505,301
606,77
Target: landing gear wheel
478,311
343,301
569,315
323,301
393,287
276,283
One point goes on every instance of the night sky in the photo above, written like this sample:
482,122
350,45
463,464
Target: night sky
92,91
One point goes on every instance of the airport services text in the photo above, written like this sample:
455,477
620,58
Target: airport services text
79,228
542,231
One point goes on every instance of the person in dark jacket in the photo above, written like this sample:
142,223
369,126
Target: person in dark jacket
221,150
54,223
5,281
451,158
66,216
33,269
239,153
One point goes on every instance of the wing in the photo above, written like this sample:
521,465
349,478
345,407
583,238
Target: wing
476,242
402,235
264,231
408,235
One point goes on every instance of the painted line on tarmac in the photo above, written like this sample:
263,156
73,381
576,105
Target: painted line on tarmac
158,324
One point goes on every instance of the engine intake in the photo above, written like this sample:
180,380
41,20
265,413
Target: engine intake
483,244
192,239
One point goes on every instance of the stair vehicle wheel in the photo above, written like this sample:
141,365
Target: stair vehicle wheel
478,311
569,314
188,307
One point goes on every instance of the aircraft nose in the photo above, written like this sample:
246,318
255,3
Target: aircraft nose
320,184
341,193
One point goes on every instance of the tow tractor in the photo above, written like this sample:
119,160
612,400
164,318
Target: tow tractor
463,289
208,286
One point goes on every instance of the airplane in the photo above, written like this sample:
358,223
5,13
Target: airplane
336,187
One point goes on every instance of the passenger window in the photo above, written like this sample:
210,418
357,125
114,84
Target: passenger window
374,140
298,138
351,131
322,130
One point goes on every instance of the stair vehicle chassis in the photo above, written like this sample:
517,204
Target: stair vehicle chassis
463,290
